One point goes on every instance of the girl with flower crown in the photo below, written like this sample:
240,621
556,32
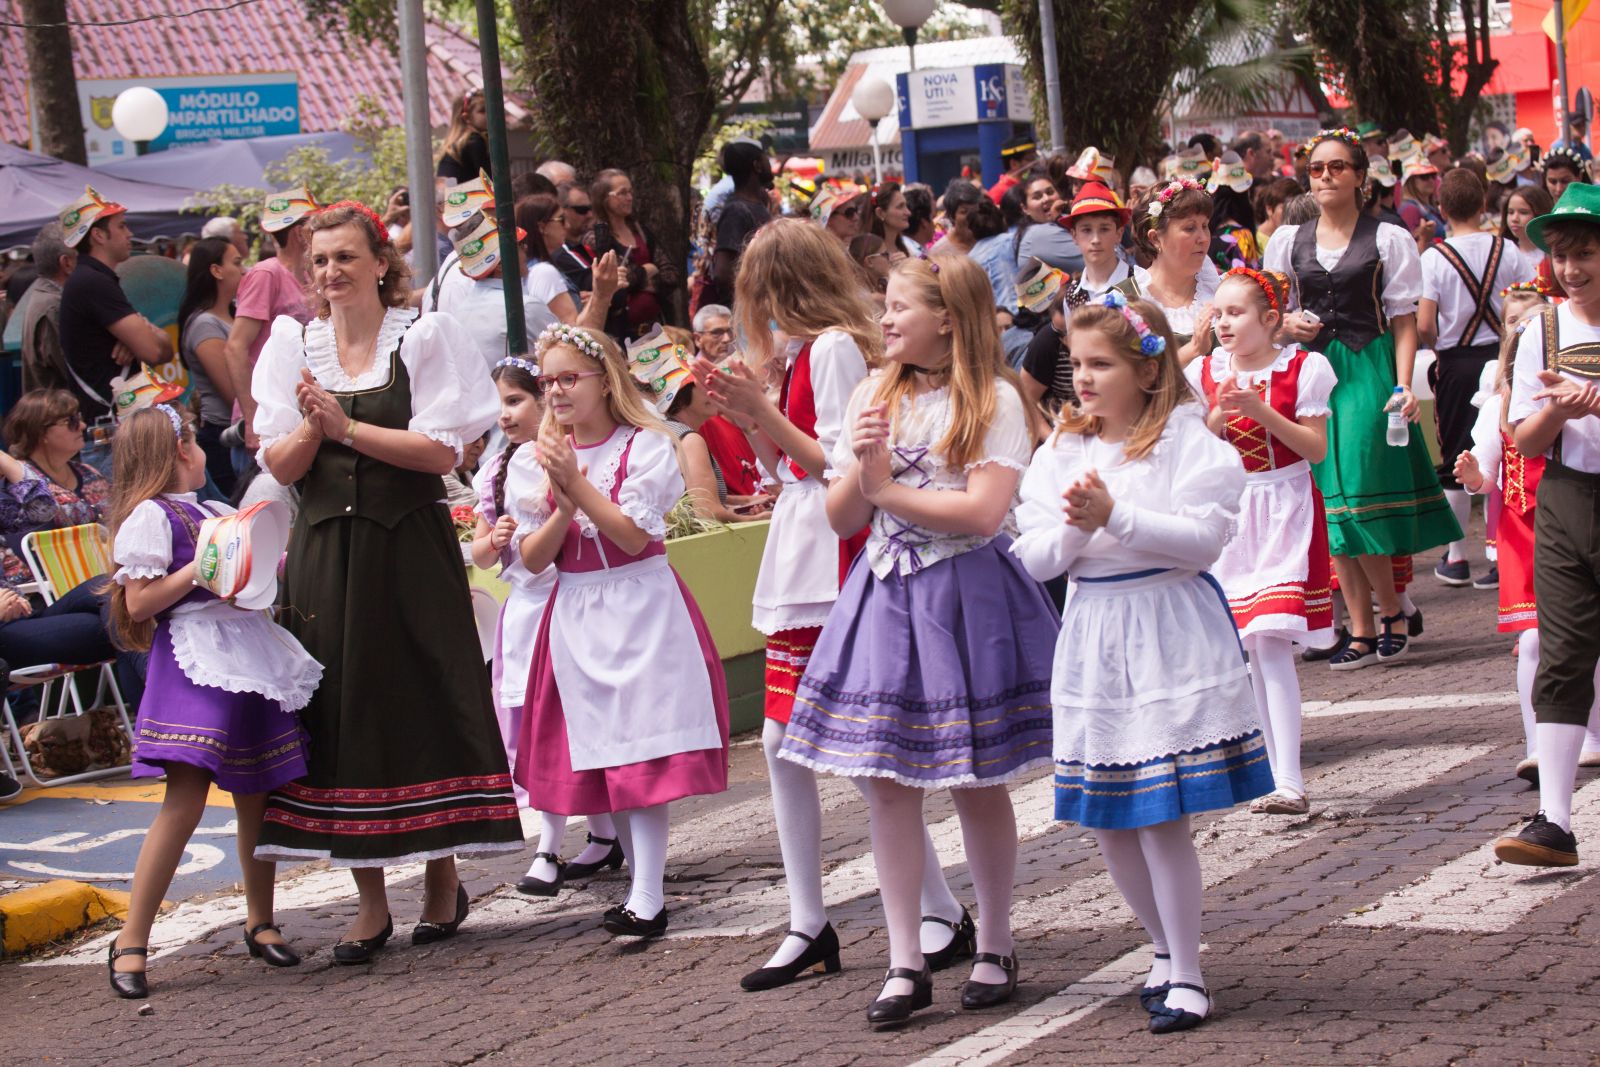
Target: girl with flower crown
626,708
1270,402
223,685
1134,498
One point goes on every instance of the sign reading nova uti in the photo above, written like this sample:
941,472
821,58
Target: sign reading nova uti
199,108
960,96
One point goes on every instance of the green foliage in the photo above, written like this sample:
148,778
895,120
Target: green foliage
1233,61
708,166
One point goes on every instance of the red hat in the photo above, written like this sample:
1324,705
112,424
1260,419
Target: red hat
1094,198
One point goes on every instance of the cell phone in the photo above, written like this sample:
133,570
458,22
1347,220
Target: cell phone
402,196
1310,315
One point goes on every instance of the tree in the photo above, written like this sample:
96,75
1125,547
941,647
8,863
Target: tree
51,80
1478,66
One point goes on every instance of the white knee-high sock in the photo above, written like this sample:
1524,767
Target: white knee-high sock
551,829
1527,667
797,809
645,843
1177,886
1460,502
1560,745
1125,861
1277,689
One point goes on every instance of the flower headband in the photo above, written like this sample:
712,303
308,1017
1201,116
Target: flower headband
1537,287
521,364
1150,342
370,215
1341,133
559,333
1251,274
172,416
1164,197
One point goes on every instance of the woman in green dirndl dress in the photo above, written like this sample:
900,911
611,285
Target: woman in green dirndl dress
367,406
1361,279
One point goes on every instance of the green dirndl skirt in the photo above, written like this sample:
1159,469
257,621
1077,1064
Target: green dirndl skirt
405,757
1381,500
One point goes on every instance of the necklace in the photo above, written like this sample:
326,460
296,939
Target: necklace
366,365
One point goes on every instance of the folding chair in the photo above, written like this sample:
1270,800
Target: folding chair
61,560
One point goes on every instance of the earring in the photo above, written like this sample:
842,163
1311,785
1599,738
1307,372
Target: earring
381,281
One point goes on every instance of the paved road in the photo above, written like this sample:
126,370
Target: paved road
1376,930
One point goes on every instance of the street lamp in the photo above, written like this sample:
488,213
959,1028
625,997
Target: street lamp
909,15
873,99
139,115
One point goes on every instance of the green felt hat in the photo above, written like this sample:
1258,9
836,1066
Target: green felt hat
1365,130
1580,203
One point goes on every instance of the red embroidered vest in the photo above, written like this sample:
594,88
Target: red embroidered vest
1281,392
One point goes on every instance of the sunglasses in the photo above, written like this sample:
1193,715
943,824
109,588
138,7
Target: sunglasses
848,212
1333,167
71,422
565,382
580,209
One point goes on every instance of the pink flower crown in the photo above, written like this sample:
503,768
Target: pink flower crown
1164,197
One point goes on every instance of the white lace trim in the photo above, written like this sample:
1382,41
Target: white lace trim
1148,736
958,781
264,659
278,853
999,461
446,437
645,517
322,352
1312,411
136,570
1222,364
607,481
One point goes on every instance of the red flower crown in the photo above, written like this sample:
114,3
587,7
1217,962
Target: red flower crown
1260,279
361,209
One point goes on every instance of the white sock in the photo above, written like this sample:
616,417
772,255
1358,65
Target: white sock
1277,688
1559,747
1177,886
644,842
797,809
1125,862
1527,667
1460,502
936,898
1407,605
1591,736
551,829
599,826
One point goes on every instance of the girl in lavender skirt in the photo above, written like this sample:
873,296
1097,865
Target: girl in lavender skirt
933,669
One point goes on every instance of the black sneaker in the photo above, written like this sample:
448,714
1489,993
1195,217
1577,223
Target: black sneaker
9,787
1456,573
1541,843
1491,580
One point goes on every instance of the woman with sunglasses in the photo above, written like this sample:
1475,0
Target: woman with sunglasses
1382,501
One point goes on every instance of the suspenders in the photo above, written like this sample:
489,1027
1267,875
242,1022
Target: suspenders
1481,290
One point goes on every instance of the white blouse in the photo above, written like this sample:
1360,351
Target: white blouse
652,488
1316,380
452,397
512,569
1182,319
895,545
1174,508
1397,251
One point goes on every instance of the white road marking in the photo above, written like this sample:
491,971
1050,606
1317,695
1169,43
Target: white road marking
1239,840
203,856
1477,893
1323,709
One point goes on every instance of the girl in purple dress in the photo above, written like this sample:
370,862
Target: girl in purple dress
222,689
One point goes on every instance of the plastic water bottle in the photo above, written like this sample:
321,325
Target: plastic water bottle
1398,433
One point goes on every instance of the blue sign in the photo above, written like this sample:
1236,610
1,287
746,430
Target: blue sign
223,112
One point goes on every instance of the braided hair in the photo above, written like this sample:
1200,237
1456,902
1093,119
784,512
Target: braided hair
516,377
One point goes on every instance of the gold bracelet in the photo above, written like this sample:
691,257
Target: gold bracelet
350,434
310,435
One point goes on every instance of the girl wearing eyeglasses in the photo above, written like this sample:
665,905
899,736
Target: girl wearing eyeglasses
1382,501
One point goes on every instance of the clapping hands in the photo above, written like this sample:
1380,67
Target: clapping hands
1088,503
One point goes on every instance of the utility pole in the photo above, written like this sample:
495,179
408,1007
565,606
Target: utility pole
1052,73
419,141
494,99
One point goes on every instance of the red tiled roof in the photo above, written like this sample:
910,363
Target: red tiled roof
263,36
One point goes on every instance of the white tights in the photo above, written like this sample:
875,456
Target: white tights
1157,871
552,828
643,833
1277,688
1460,502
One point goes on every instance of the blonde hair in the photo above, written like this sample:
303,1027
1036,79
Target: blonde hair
1519,307
800,277
1162,396
461,128
144,465
957,285
623,400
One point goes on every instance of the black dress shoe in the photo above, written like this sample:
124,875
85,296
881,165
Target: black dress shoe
1414,623
976,995
823,949
1165,1020
129,985
1151,996
1317,655
1540,844
539,887
961,947
363,949
892,1011
612,859
276,955
426,933
623,922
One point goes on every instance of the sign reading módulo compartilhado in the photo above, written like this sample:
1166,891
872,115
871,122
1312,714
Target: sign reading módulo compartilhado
199,108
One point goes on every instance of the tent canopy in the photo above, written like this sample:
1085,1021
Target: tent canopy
33,188
238,162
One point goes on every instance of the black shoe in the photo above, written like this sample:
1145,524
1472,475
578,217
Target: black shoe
1165,1020
1489,580
426,933
612,859
1151,996
9,787
961,947
363,949
823,949
1414,623
1392,645
892,1011
1540,844
276,955
1317,655
538,887
624,923
1357,652
976,995
129,985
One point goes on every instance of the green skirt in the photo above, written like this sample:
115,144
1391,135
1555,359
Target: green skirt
1381,500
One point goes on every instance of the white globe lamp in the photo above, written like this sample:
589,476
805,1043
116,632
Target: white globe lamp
873,99
139,115
909,15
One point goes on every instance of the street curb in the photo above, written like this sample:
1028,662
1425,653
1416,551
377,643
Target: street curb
51,911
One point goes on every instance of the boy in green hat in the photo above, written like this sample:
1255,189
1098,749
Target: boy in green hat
1555,408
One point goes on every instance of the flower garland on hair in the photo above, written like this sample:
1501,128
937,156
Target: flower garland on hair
1251,274
1150,342
1536,287
521,364
559,333
1339,133
1164,197
366,212
172,416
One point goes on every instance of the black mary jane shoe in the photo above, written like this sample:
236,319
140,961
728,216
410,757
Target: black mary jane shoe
426,933
539,887
129,985
978,995
822,949
1414,623
361,950
1165,1020
961,947
1152,996
624,923
892,1011
276,955
612,859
